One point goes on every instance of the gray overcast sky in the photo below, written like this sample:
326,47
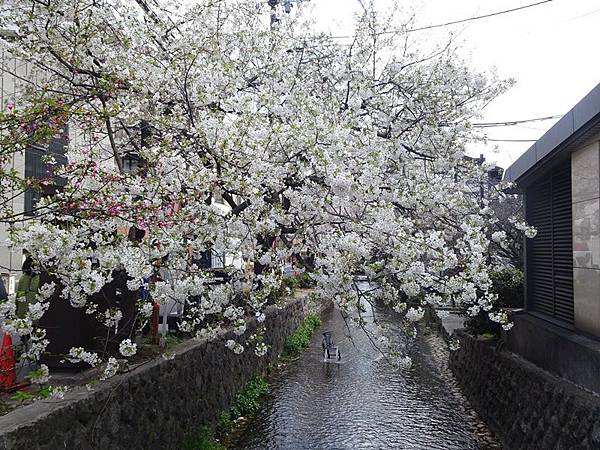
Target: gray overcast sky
551,50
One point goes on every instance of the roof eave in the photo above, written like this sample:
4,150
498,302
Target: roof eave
577,123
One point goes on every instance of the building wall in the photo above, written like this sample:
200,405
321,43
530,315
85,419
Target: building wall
585,167
10,258
15,74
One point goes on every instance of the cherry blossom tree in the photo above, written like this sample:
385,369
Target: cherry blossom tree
347,154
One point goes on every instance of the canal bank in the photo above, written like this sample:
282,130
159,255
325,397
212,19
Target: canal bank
156,404
526,406
362,402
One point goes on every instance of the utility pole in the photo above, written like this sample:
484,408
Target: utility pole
273,5
287,7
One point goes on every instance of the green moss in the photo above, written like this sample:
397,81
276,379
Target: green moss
171,340
300,338
202,440
487,337
247,401
5,408
224,424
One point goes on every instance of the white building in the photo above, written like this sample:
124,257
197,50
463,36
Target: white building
15,75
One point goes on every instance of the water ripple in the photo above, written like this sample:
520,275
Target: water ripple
361,403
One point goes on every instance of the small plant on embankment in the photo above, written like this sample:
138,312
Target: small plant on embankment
224,424
248,400
300,339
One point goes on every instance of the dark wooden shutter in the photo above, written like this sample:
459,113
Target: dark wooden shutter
550,253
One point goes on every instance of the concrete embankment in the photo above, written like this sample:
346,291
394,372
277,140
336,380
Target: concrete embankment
527,407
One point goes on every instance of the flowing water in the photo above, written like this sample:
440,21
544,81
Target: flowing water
362,402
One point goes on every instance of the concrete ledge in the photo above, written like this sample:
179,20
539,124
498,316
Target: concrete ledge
562,352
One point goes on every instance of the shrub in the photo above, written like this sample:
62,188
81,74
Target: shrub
247,401
299,280
224,424
305,280
22,396
508,284
292,282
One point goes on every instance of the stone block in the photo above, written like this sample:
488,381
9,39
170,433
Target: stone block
585,173
586,234
586,290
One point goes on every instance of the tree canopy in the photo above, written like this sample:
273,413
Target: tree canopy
346,155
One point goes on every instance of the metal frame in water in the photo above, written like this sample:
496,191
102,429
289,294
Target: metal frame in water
330,350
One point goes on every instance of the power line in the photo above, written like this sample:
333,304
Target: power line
454,22
583,15
511,140
509,123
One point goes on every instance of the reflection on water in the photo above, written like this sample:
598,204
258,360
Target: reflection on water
362,402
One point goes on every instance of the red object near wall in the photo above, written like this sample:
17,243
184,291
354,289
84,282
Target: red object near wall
8,374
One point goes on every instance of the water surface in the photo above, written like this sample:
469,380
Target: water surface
362,402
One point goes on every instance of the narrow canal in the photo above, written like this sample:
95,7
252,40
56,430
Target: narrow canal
363,403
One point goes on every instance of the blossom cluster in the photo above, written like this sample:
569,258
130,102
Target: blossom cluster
255,145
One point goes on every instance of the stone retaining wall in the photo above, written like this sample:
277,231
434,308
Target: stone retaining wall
526,407
155,405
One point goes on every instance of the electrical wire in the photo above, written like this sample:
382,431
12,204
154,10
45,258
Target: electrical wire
511,140
512,123
454,22
509,123
583,15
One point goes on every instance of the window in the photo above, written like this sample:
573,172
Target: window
35,167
